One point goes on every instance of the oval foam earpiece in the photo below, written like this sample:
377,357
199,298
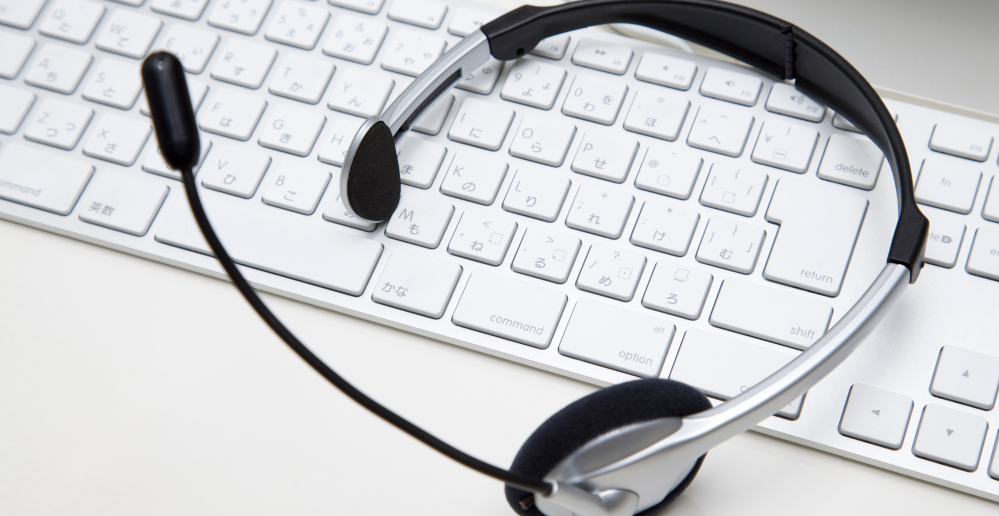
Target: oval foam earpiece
592,416
372,185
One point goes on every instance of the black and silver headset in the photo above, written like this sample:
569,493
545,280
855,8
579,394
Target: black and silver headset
632,447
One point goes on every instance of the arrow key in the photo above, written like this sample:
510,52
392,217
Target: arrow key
950,437
876,416
966,377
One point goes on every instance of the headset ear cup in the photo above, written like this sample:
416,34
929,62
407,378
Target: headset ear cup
592,416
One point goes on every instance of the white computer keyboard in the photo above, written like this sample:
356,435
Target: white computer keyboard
604,208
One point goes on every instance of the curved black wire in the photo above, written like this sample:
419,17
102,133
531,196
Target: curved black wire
508,477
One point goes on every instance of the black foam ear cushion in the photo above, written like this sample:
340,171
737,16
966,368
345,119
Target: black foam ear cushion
592,416
373,183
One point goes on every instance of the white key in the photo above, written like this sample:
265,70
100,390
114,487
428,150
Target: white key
41,179
186,9
128,33
991,209
296,187
605,155
432,119
724,368
364,6
785,146
618,338
291,129
950,437
962,141
58,68
355,39
122,201
422,13
196,89
419,161
948,184
603,56
474,177
543,140
720,130
536,193
301,78
818,231
994,466
482,80
297,24
420,219
731,86
734,188
770,314
115,83
677,289
851,161
71,20
231,113
340,134
546,254
510,309
731,245
14,107
20,13
600,211
842,123
665,227
787,100
244,63
117,139
417,283
279,243
234,170
337,212
983,260
666,71
410,52
944,240
482,237
966,377
480,123
152,160
876,416
657,114
15,52
58,123
669,171
192,46
533,83
243,16
553,47
466,21
596,99
611,271
358,92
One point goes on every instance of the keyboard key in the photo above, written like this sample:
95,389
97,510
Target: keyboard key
40,179
546,254
420,219
337,212
842,123
596,99
58,68
615,337
358,92
533,83
944,241
14,107
58,123
466,21
71,20
515,310
364,6
301,78
419,161
666,71
599,210
785,146
480,123
543,140
411,52
122,201
605,155
787,100
851,161
966,377
950,437
731,245
153,163
669,171
552,47
482,237
338,138
422,13
234,170
244,63
231,113
948,184
115,83
603,56
958,140
665,227
196,89
483,80
355,39
128,33
186,9
994,466
731,86
991,209
818,231
536,193
656,114
677,290
416,283
291,129
296,187
15,52
734,188
876,416
192,46
297,24
432,119
244,16
20,13
117,139
611,271
474,177
770,314
720,130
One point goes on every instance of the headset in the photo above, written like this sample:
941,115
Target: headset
634,447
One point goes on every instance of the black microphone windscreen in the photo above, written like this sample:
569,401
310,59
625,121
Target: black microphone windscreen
171,110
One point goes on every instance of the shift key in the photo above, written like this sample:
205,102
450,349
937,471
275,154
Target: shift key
509,309
770,314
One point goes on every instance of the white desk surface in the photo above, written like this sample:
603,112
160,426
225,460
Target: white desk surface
129,387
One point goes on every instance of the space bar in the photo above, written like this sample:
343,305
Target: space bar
270,240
